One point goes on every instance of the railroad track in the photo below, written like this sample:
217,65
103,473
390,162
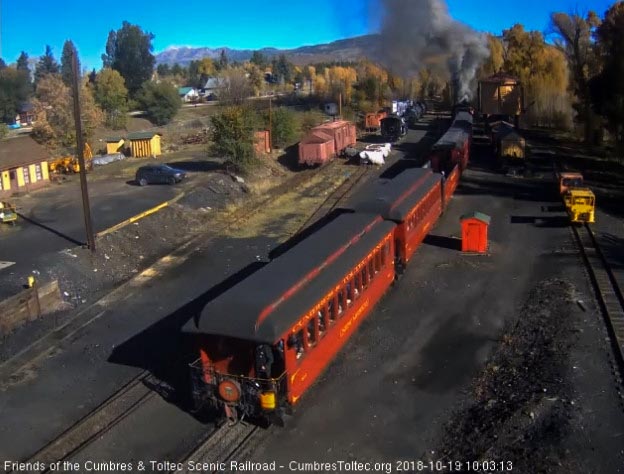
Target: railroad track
607,289
220,447
85,431
138,391
339,194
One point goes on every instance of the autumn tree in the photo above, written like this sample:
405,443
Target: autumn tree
112,96
46,65
129,51
160,101
233,136
200,71
236,86
543,72
256,78
574,37
54,104
66,62
607,88
340,81
494,63
14,90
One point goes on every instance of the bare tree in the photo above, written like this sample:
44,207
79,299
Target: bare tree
235,86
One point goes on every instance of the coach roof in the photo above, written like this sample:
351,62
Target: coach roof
266,304
394,198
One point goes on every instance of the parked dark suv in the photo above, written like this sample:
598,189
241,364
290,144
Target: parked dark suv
159,174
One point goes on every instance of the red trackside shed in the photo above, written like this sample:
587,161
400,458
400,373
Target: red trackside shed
475,232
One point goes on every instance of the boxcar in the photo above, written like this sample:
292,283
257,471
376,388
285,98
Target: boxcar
326,141
413,200
265,341
372,121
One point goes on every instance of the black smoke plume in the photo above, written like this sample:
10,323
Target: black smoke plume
416,34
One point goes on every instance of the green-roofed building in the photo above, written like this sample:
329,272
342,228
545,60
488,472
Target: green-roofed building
188,94
145,144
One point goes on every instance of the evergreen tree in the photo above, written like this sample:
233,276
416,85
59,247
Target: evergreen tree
129,51
66,62
223,62
46,65
259,59
22,63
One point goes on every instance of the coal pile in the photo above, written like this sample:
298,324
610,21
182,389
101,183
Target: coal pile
521,404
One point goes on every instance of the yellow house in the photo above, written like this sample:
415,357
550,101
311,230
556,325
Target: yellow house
144,144
114,145
23,166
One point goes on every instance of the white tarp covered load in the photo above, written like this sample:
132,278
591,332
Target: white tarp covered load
106,159
385,148
373,157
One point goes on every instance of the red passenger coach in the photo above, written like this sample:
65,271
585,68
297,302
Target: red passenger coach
266,340
450,184
413,199
453,148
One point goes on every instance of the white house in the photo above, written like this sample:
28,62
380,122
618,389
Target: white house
188,94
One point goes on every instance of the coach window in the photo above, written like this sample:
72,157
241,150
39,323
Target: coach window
371,268
311,331
377,261
383,257
365,276
350,292
357,288
332,308
297,344
322,321
342,301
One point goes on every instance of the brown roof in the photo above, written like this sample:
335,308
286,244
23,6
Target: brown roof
21,151
501,78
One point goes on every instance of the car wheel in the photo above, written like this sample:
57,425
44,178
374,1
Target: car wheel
142,182
171,180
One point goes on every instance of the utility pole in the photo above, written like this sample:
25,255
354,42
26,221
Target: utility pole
80,155
271,123
340,105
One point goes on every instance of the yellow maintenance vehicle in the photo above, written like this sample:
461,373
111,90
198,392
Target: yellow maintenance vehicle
580,204
69,164
568,180
8,213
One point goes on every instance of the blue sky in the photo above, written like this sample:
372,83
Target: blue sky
251,24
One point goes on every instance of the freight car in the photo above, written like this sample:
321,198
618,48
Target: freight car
325,142
265,341
372,121
393,128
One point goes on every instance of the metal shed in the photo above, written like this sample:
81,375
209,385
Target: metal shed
475,232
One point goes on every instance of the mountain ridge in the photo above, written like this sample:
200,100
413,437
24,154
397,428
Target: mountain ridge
348,49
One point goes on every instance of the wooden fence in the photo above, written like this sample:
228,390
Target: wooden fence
28,305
